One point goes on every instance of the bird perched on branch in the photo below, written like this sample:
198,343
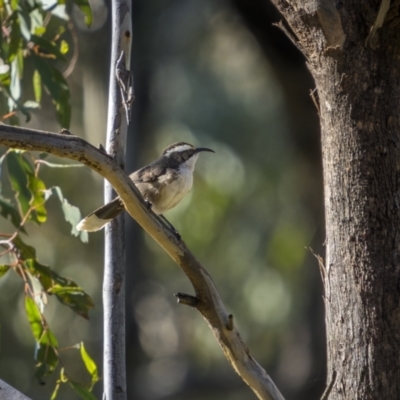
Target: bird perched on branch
162,183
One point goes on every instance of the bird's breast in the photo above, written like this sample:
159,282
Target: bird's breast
173,188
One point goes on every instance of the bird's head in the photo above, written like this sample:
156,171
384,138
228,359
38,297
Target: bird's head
184,153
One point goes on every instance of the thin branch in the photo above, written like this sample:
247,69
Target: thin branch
209,304
114,354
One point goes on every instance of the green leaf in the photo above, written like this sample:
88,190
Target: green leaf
82,391
29,189
89,364
15,86
58,88
75,298
55,391
38,191
66,290
3,270
37,85
19,180
63,112
38,294
64,47
71,214
40,30
84,6
7,210
15,39
26,252
47,277
48,47
46,343
25,24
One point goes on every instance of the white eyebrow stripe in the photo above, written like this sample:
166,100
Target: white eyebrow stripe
182,147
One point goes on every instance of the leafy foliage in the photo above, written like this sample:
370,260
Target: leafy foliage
33,32
40,281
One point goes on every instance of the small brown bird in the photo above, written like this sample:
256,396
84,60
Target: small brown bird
163,184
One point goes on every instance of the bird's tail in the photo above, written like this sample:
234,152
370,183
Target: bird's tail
102,216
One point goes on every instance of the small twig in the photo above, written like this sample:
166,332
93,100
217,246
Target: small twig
329,387
229,324
187,299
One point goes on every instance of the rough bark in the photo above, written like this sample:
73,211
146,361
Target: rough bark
356,68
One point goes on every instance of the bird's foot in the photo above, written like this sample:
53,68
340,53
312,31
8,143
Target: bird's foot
170,226
148,204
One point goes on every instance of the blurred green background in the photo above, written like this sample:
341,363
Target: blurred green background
218,74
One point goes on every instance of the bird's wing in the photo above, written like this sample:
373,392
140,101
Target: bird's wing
148,174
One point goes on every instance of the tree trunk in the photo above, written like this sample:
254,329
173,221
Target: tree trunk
357,75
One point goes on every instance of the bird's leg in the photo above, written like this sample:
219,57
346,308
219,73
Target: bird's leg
148,204
165,221
177,234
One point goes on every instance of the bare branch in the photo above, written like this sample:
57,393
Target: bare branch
209,303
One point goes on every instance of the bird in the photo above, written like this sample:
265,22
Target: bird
162,183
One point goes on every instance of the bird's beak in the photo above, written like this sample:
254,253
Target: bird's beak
199,149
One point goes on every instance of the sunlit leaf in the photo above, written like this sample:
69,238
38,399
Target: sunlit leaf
25,24
39,30
37,188
37,22
15,86
55,391
37,85
71,214
89,364
38,293
3,270
31,105
4,68
84,6
64,47
82,391
75,298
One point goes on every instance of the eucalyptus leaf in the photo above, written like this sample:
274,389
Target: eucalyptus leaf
89,364
75,298
8,211
72,215
46,343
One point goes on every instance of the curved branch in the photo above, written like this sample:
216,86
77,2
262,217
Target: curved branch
208,303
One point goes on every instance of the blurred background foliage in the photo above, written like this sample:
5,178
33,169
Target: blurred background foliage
215,73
